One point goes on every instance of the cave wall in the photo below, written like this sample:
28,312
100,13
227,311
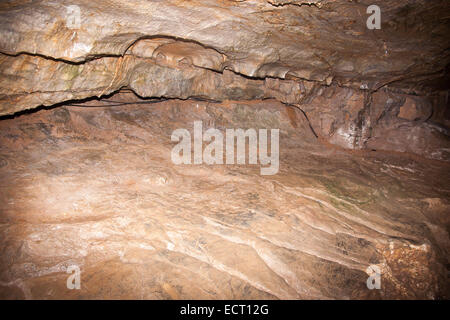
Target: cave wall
360,88
90,182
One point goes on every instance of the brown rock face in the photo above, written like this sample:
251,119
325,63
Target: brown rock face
95,187
91,91
325,40
239,50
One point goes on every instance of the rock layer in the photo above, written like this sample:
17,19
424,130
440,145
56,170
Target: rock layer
89,182
258,38
241,50
94,186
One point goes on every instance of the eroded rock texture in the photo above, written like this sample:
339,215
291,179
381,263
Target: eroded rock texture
53,52
95,187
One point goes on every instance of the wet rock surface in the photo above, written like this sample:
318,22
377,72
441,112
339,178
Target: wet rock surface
94,186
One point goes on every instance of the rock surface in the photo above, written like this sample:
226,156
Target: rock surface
238,50
313,40
95,187
365,149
